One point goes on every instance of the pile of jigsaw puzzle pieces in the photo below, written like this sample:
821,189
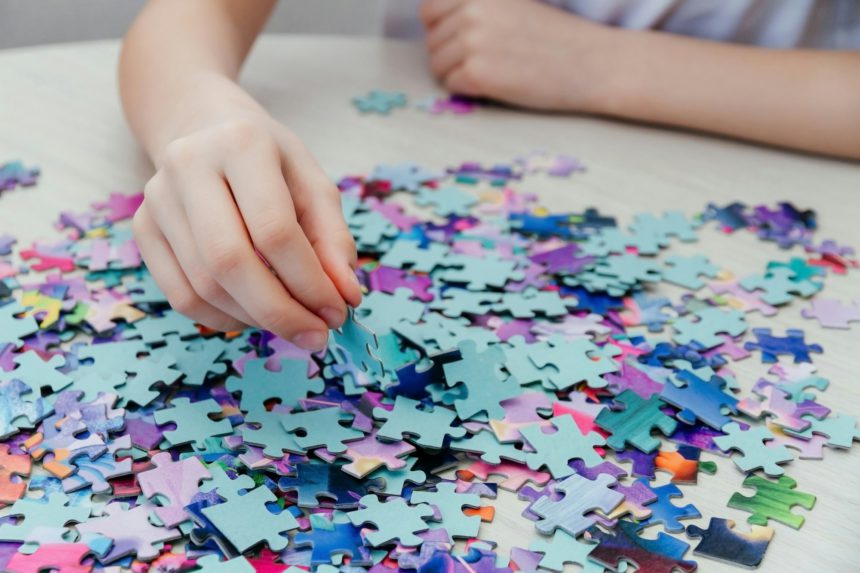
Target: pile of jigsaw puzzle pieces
498,346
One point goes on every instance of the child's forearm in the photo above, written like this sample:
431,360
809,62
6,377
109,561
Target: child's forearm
803,99
179,62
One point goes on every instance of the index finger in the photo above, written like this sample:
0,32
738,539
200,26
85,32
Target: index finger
432,11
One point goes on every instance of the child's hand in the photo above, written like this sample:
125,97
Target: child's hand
518,51
224,193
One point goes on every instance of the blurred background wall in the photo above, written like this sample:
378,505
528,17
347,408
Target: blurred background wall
33,22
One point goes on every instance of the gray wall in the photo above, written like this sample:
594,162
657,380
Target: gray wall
33,22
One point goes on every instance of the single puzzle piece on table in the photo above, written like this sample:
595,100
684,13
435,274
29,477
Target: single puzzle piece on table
322,428
193,422
833,313
13,467
481,374
392,520
176,481
427,427
686,271
579,497
571,362
664,512
700,399
555,450
451,504
336,540
246,521
564,549
721,541
662,555
317,484
14,173
711,322
770,400
779,286
211,564
360,346
13,327
772,346
379,101
55,512
148,375
446,200
840,430
670,224
683,464
286,386
772,500
634,423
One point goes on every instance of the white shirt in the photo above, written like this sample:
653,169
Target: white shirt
826,24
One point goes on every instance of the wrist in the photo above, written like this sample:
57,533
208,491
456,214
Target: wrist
604,78
206,99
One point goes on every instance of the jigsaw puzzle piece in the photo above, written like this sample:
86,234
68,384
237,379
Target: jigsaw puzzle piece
721,541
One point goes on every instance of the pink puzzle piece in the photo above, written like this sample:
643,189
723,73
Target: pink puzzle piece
58,557
119,206
832,313
178,481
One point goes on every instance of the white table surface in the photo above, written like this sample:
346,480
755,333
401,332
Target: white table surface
59,110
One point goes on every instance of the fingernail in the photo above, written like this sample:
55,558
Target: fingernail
312,340
333,317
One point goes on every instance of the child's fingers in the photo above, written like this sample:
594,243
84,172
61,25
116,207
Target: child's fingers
267,209
170,215
432,11
461,80
447,57
317,202
165,269
232,260
443,32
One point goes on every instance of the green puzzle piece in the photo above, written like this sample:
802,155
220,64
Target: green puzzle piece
772,500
